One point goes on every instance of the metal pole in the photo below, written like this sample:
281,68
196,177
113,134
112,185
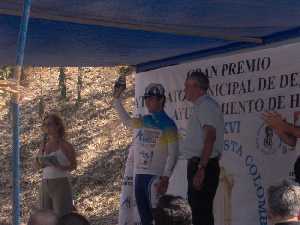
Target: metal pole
16,112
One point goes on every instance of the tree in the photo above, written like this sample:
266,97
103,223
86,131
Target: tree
41,104
62,83
6,72
79,84
125,70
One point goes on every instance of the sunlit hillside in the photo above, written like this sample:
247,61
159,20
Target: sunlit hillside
101,142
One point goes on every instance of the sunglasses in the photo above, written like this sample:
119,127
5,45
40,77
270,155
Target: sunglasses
148,96
151,96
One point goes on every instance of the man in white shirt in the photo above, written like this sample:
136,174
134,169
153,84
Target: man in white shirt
202,148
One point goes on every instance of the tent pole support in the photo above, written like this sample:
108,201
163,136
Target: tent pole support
16,113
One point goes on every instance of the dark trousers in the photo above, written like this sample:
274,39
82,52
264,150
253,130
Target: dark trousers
297,170
201,201
143,195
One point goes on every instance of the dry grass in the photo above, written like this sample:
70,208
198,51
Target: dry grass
93,128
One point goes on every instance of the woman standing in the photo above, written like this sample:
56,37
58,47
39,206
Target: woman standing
57,158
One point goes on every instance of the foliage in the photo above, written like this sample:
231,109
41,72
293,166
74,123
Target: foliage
6,72
125,70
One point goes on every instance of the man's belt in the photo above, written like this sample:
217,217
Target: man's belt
197,159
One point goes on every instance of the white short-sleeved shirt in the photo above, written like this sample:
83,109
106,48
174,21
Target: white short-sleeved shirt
206,111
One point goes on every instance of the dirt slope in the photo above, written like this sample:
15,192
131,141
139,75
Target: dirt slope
101,142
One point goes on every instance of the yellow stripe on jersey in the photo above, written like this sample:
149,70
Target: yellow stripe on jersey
169,136
137,123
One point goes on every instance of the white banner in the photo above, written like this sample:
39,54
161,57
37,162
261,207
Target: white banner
245,85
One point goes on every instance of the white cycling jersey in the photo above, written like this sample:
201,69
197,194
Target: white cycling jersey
155,141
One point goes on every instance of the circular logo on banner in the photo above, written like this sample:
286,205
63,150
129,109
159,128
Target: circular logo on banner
267,141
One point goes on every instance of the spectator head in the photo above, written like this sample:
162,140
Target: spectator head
172,210
73,219
284,201
43,217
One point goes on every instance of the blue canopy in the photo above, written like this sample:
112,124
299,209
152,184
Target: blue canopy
144,33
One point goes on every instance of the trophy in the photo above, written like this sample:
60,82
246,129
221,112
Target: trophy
120,86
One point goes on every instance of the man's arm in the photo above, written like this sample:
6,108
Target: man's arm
171,137
286,131
292,130
209,140
290,140
124,116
